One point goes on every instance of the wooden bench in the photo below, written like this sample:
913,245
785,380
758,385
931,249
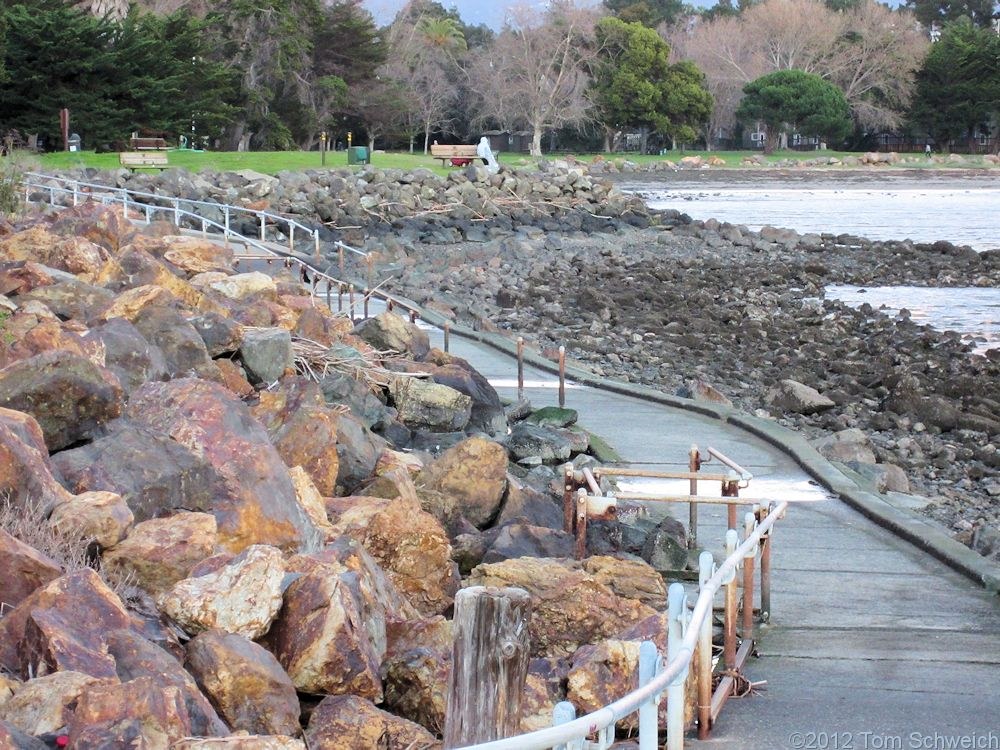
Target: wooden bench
459,155
143,160
148,144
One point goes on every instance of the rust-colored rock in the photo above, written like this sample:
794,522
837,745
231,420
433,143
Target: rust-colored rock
247,684
130,303
347,722
311,500
69,395
193,255
60,626
322,328
243,597
12,738
183,349
103,225
102,517
24,570
138,713
321,641
232,376
409,544
303,429
71,299
26,472
632,579
570,607
45,704
416,670
127,353
473,474
136,657
32,333
240,742
154,474
544,687
389,331
162,551
257,503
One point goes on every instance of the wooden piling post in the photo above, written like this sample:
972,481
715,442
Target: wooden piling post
489,665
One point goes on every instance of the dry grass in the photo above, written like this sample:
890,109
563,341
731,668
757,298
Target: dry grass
314,360
28,522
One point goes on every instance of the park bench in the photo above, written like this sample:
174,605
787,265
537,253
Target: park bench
148,144
459,155
142,160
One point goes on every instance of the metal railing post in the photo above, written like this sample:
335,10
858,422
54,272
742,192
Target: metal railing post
76,195
731,488
316,245
729,642
340,259
177,213
263,227
291,237
749,524
563,713
562,376
447,336
676,610
649,658
706,569
149,215
225,214
765,571
569,498
694,463
581,524
520,368
350,298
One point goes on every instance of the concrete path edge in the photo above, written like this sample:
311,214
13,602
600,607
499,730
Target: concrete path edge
905,524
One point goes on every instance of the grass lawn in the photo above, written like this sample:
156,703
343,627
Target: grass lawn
271,162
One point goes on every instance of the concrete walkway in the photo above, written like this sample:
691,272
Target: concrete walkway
872,643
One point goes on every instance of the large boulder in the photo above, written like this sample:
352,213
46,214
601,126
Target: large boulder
378,600
183,349
14,739
487,410
162,551
303,429
524,540
193,255
320,639
24,570
71,299
61,626
128,354
847,445
69,396
425,405
243,597
358,451
408,543
569,606
347,722
790,395
26,472
389,332
140,713
155,474
46,704
240,742
101,517
220,334
258,502
136,657
525,504
266,354
243,286
472,475
632,579
417,669
246,683
529,441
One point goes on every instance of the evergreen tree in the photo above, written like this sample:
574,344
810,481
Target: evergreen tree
958,87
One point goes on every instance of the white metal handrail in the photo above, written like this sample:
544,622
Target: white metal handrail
684,630
37,180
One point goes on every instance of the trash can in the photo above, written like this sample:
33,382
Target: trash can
358,155
73,142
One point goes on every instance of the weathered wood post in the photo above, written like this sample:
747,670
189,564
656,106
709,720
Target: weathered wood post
489,665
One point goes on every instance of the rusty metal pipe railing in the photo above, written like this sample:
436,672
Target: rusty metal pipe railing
745,475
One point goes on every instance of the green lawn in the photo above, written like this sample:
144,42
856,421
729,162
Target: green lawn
271,162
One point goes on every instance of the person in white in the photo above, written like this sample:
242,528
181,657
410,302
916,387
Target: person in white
484,152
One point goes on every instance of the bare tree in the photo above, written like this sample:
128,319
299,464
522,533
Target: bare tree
535,72
870,51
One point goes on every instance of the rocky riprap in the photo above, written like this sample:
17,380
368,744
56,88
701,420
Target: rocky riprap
232,518
715,311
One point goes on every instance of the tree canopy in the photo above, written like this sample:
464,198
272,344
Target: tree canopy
634,84
958,88
928,12
802,102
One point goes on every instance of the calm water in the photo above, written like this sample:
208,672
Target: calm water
973,312
963,215
962,210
